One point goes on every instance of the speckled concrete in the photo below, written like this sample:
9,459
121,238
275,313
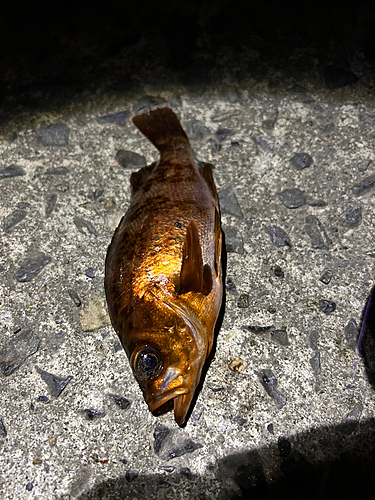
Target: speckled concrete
286,408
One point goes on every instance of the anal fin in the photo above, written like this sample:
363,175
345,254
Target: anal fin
194,276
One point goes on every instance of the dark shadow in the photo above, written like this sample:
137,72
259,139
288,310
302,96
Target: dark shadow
322,464
366,341
79,51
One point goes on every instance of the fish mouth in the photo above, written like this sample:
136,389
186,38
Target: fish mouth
181,397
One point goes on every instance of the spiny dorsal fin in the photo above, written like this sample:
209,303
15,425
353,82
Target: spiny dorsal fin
137,179
194,276
162,128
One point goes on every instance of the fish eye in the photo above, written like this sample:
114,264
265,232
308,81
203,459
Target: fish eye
147,364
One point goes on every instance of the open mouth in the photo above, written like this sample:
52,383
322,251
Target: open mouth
179,399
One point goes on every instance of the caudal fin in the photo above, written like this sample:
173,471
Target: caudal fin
162,127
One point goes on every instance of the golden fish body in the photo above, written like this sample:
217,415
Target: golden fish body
163,269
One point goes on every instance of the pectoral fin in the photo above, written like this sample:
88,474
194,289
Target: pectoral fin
194,276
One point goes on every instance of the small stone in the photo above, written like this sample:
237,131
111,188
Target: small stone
95,195
292,198
196,130
238,365
269,382
223,133
280,336
327,306
120,118
233,240
352,218
243,301
11,171
362,166
13,219
51,201
12,137
42,399
326,277
52,441
93,414
56,134
168,444
166,468
58,171
284,446
90,272
364,185
270,428
263,143
85,227
117,346
230,287
278,236
313,340
54,383
94,314
130,475
122,402
229,204
37,461
3,431
351,333
147,103
337,77
270,122
161,433
315,363
278,272
19,347
162,485
31,267
351,421
29,486
315,230
311,202
129,159
75,297
186,472
301,160
22,205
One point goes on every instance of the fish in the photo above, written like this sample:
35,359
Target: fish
163,270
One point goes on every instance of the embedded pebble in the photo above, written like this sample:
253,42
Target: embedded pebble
51,201
84,225
120,401
56,134
22,205
186,472
31,267
42,399
351,333
147,103
233,240
58,171
351,421
170,443
119,118
90,272
129,159
263,143
301,160
278,236
352,218
243,301
163,485
196,130
315,230
95,195
13,219
313,340
292,198
117,346
284,446
270,122
166,468
364,185
29,486
363,165
130,475
230,287
315,363
270,428
54,383
326,277
327,306
3,431
18,348
11,171
238,365
269,382
336,77
94,314
92,414
75,297
229,204
278,272
280,336
161,433
223,133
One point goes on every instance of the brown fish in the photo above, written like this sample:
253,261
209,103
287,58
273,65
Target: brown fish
163,269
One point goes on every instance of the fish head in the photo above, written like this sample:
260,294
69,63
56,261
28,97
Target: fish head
167,361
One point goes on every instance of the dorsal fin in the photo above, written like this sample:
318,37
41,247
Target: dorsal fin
194,276
137,179
162,128
217,242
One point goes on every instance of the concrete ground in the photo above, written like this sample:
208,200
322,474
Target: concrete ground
281,102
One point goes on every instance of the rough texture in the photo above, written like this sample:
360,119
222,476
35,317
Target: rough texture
286,406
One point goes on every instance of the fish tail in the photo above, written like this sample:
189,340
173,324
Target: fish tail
162,127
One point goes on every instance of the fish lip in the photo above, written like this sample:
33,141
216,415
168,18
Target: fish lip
159,401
